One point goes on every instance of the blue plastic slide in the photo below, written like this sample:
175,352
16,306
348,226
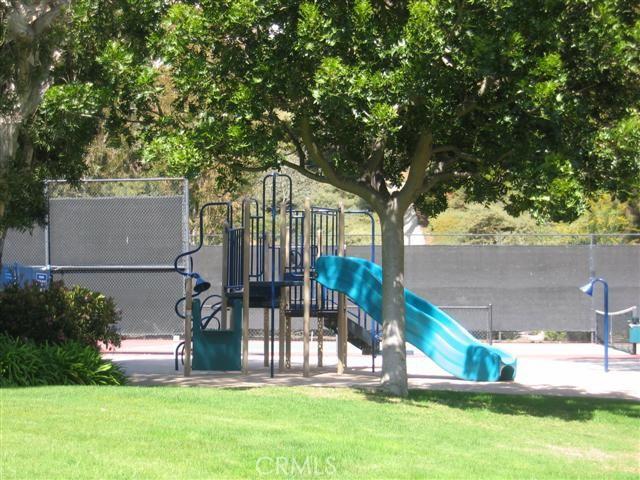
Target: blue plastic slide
428,328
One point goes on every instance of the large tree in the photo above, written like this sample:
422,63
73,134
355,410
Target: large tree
27,53
67,69
535,103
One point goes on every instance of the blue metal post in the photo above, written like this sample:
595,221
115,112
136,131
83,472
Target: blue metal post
274,178
588,289
273,268
606,325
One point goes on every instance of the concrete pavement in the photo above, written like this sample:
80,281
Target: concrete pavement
545,369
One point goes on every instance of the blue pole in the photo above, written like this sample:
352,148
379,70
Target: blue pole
588,289
273,268
606,325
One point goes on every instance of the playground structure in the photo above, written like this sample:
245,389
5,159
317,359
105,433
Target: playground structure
278,267
293,261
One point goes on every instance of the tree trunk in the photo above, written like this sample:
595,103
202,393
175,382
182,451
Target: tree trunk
8,147
26,43
394,355
3,234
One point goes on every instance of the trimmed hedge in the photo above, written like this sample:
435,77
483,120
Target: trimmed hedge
24,363
58,314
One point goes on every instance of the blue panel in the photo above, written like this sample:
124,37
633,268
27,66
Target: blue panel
218,350
634,333
24,275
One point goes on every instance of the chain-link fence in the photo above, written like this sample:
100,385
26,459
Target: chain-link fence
464,239
619,323
516,239
119,237
477,319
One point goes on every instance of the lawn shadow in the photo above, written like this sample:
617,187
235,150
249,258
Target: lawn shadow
563,408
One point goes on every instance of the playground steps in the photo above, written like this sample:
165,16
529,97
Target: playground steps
358,336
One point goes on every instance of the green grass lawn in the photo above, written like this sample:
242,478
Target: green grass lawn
169,432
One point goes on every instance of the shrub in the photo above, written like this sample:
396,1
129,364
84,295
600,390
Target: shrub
553,336
95,315
25,363
57,314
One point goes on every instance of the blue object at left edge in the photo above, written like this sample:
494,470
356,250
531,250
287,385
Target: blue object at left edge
428,328
24,275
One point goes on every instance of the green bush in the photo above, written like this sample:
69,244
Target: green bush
553,336
57,315
25,363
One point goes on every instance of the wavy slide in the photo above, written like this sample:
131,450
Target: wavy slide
428,328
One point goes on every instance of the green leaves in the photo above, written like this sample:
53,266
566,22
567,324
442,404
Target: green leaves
23,364
175,155
315,32
95,71
57,314
530,96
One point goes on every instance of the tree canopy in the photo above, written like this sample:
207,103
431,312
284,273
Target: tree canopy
533,102
67,69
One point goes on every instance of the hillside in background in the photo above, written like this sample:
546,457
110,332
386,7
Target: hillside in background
490,224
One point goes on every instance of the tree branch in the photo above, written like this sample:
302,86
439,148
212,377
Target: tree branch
470,105
302,156
433,180
19,27
357,188
252,169
417,169
305,172
377,155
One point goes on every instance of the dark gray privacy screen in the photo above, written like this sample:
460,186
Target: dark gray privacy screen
118,237
116,230
144,298
477,319
530,287
26,248
620,266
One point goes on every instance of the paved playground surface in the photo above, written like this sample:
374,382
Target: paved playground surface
567,369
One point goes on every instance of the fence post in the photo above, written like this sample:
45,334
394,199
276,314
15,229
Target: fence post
47,230
186,239
490,325
592,274
265,324
246,259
